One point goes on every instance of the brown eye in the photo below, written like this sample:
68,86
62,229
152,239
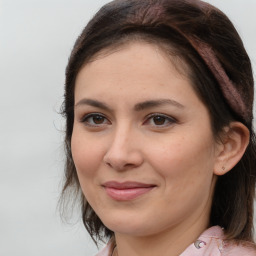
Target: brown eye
97,119
159,120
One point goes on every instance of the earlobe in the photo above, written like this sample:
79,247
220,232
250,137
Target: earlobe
235,141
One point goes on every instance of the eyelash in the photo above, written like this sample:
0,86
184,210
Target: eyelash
168,121
94,115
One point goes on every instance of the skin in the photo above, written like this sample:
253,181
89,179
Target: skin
116,138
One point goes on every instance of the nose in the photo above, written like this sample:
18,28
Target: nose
124,151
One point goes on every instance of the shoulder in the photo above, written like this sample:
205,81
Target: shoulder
215,235
212,242
234,249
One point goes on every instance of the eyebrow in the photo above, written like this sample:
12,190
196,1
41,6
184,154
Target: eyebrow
156,103
93,103
138,107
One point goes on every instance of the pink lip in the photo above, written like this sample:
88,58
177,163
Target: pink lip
126,191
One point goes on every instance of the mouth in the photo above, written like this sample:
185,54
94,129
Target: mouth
126,191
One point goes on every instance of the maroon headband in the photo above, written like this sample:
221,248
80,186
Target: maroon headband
227,87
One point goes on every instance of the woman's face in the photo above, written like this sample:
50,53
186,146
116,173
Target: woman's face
142,143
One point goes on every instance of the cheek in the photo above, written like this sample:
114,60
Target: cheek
185,163
187,177
87,157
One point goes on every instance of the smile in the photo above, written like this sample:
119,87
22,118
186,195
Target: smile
127,190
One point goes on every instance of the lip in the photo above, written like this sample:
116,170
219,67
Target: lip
125,191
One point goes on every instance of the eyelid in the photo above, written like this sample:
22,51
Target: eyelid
171,120
93,114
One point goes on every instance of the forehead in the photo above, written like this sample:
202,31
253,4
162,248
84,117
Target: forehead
134,73
134,45
134,61
163,47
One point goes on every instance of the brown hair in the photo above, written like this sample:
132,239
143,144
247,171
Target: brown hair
201,36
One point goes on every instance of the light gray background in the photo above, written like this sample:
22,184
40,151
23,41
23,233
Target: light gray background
36,37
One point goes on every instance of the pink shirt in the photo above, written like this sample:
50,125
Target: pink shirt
210,243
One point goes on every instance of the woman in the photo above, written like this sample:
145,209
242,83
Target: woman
159,140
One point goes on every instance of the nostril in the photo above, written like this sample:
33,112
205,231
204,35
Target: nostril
108,164
129,165
121,164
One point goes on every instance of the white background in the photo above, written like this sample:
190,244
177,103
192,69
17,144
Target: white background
36,38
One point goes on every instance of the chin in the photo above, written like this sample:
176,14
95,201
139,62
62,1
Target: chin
129,226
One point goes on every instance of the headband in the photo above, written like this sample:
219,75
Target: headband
227,87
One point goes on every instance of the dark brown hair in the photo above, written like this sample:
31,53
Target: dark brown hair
182,29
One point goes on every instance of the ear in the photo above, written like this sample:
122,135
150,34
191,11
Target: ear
234,141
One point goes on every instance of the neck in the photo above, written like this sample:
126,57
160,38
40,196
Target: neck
172,241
